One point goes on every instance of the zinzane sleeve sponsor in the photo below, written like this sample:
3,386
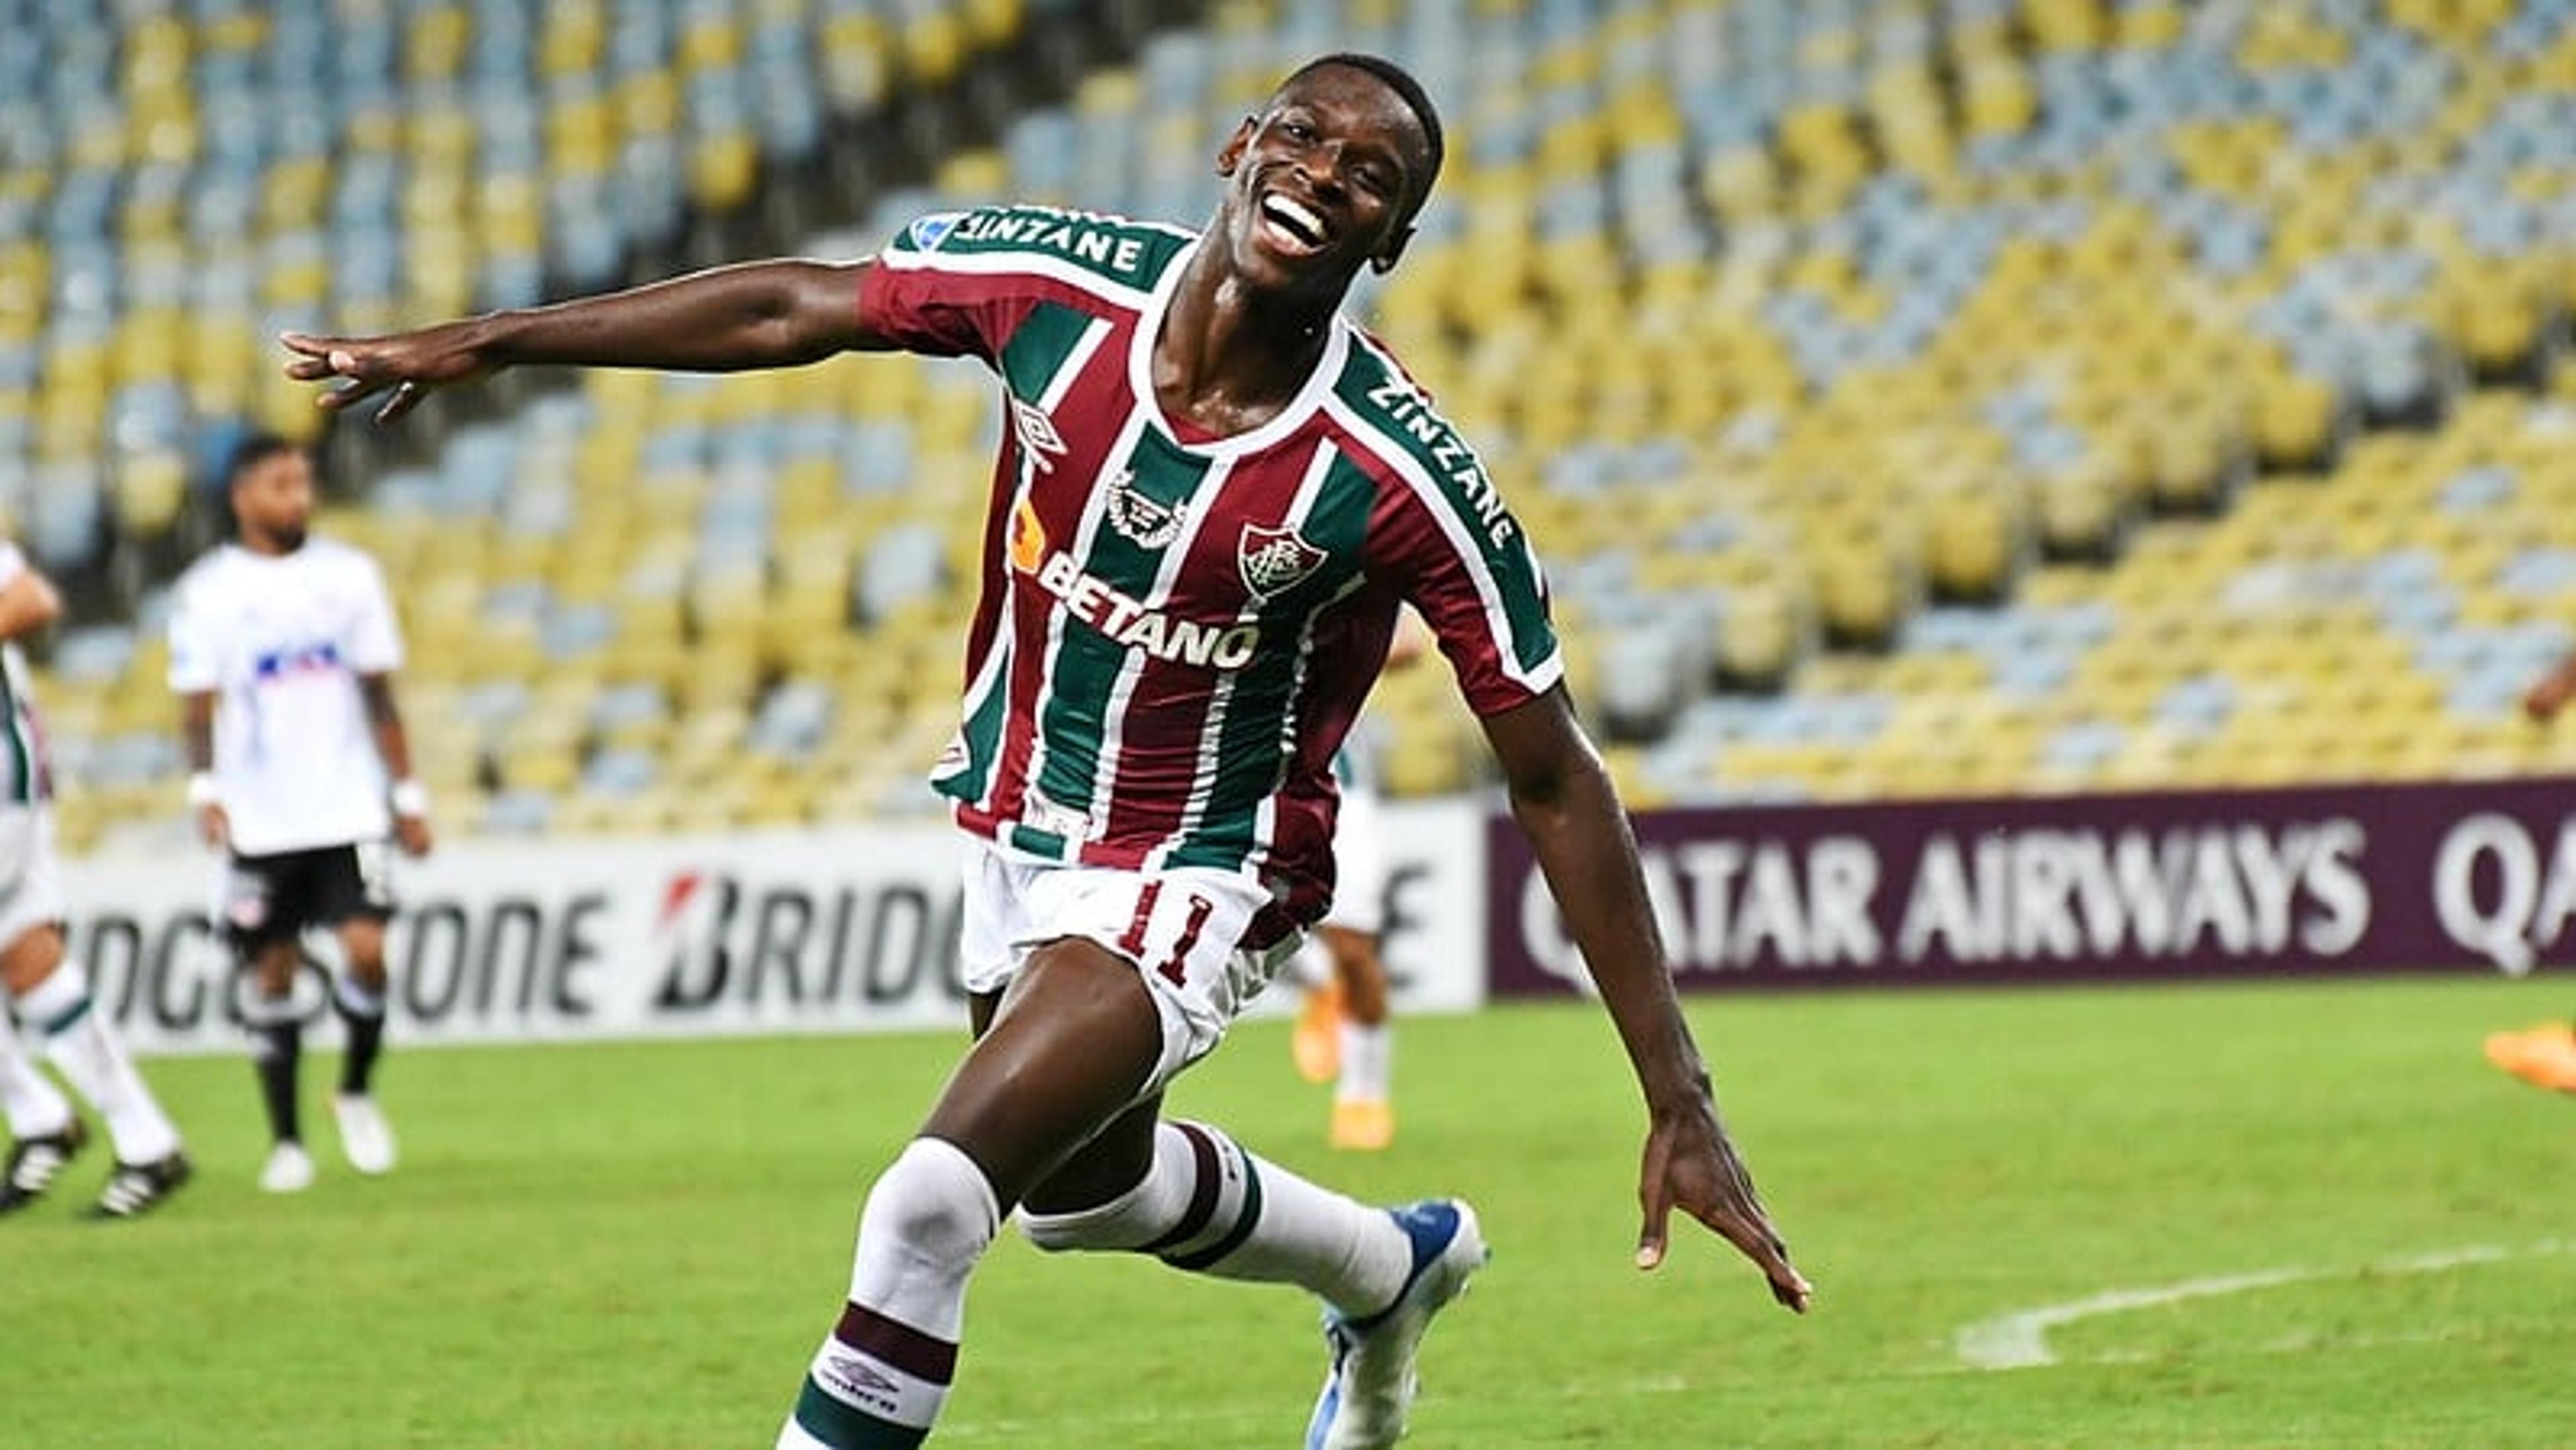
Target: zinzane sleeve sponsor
912,298
1472,578
375,637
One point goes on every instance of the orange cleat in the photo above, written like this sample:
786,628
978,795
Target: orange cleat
1363,1125
2543,1057
1318,1042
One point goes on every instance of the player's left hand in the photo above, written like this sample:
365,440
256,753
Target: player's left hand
412,364
1692,1166
413,835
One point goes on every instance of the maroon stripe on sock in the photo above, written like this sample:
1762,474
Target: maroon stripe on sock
1202,1195
900,1345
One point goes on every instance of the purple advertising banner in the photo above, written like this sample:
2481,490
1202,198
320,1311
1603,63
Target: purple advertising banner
2321,880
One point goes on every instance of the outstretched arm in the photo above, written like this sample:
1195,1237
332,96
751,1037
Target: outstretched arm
727,319
1567,807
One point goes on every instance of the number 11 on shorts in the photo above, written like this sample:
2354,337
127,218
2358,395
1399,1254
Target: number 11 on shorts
1174,968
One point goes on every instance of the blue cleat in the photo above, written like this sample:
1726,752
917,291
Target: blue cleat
1372,1383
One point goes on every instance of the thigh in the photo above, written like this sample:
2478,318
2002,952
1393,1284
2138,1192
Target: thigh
1069,1052
31,900
1114,1160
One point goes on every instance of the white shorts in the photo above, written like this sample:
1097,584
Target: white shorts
31,880
1184,930
1359,865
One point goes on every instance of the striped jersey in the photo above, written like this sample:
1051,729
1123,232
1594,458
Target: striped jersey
26,771
1175,631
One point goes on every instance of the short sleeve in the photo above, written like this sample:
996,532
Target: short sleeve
375,638
927,300
13,563
194,666
1472,577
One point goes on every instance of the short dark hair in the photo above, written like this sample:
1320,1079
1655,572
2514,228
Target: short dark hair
1408,90
253,451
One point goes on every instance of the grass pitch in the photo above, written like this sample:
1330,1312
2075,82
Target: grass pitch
2346,1229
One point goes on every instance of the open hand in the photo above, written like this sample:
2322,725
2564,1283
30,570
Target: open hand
411,364
1690,1165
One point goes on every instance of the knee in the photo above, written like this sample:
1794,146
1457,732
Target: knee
935,1202
1137,1218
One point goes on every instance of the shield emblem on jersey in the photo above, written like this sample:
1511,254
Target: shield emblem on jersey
1275,561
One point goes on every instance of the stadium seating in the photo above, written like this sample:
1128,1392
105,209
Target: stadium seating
1909,397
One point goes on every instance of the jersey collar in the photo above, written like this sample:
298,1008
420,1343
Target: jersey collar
1140,374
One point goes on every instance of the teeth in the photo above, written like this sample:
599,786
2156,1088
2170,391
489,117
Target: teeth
1306,223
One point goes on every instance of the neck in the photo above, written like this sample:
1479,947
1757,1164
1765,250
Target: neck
267,545
1230,357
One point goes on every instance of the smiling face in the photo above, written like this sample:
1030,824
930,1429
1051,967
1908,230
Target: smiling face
1325,181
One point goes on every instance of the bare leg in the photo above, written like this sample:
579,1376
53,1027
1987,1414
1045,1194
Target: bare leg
359,998
1045,1109
277,1038
1363,1108
54,996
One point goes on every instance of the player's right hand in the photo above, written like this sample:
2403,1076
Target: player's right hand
214,827
412,364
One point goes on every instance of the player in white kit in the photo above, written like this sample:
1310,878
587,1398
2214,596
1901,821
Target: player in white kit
1345,1034
283,648
45,990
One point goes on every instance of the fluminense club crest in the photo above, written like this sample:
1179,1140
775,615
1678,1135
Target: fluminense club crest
1275,561
1147,524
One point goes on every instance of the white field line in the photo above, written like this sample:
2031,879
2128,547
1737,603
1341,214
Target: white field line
2019,1340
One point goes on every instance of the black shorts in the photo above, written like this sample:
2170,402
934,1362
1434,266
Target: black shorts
275,898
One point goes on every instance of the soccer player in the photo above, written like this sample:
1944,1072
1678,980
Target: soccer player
1343,1034
1211,498
2544,1056
45,989
283,649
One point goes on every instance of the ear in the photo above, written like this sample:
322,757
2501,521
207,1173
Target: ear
1387,256
1232,155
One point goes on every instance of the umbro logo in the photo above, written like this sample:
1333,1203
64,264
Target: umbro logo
1039,441
857,1377
1274,561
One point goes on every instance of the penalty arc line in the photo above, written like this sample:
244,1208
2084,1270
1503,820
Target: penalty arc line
2019,1340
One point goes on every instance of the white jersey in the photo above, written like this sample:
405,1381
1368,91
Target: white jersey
26,777
281,642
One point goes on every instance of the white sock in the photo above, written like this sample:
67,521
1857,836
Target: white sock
1207,1206
34,1106
1368,1054
79,1041
883,1373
